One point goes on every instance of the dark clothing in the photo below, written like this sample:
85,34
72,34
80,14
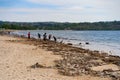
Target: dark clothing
49,37
44,36
39,36
55,39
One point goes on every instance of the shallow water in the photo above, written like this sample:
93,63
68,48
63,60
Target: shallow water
104,41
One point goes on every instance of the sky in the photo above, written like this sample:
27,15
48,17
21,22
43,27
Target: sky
59,10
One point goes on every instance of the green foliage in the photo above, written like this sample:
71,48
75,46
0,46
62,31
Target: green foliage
113,25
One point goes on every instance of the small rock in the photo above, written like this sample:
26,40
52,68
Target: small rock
69,43
37,65
80,43
87,43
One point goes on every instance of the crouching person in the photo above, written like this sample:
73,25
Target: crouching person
55,39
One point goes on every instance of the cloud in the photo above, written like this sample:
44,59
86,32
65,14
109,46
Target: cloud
62,15
98,4
75,2
63,11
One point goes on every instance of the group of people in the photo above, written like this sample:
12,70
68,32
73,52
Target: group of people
45,37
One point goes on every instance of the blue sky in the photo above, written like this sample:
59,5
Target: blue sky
59,10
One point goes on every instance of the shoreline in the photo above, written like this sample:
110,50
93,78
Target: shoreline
111,48
77,61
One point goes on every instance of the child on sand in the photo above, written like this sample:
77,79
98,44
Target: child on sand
28,35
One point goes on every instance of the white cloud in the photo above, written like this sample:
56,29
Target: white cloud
62,15
96,3
70,10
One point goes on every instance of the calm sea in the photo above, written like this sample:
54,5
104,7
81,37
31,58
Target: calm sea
104,41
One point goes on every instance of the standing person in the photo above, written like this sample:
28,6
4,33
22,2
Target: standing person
49,37
28,35
39,36
8,32
44,36
55,39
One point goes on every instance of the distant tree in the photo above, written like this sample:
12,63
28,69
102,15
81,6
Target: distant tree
113,25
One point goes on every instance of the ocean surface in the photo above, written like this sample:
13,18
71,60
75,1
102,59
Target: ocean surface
103,41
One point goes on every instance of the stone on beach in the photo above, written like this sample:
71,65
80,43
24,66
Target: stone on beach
37,65
69,43
87,43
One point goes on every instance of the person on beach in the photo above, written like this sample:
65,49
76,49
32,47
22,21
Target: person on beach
49,37
44,36
8,32
39,36
28,35
55,39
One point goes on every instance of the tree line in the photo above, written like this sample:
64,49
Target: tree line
111,25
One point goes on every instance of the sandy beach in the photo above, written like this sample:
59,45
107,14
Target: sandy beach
17,55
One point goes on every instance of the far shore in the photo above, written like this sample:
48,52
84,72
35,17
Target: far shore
57,61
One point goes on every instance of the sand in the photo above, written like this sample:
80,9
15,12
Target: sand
16,59
105,67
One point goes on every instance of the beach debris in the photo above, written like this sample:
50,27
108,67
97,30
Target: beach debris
117,63
37,65
69,44
77,61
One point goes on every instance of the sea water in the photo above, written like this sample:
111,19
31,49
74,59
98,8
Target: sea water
104,41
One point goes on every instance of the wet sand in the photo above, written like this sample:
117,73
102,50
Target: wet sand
17,55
